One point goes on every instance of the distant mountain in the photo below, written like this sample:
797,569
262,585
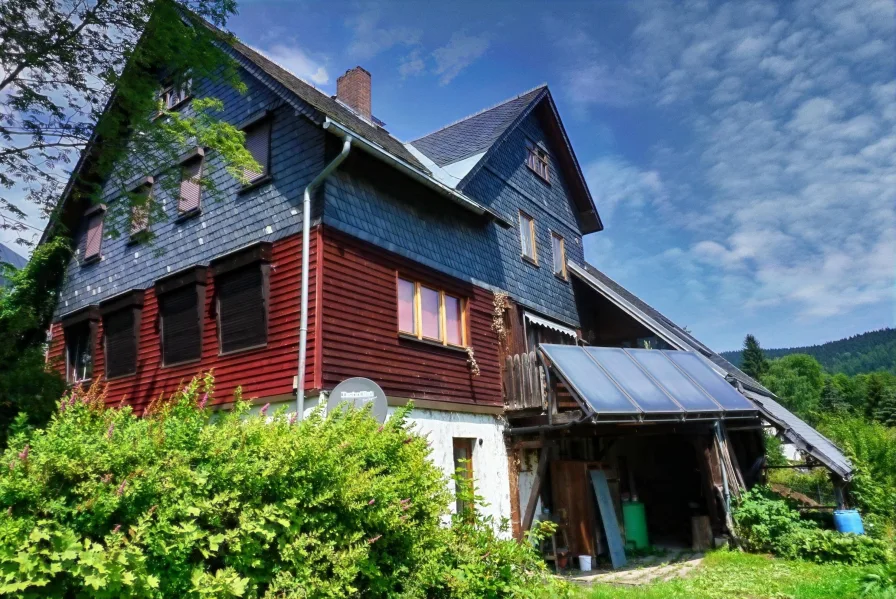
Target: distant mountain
7,256
868,352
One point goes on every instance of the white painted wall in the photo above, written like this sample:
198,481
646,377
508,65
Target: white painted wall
490,468
489,453
528,466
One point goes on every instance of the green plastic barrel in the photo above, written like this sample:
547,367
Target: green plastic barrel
635,522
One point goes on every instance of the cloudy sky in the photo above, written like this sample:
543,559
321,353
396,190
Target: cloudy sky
742,154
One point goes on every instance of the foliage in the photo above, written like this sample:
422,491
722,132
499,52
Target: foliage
774,454
880,582
832,400
481,564
28,384
798,380
727,574
872,448
868,352
768,523
187,503
63,60
753,361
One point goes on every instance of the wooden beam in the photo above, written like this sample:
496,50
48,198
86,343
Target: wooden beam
530,444
540,475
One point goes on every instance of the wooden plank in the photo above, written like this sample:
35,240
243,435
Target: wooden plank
543,458
615,542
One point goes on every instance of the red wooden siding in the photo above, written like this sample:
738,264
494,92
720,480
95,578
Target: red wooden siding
262,372
359,320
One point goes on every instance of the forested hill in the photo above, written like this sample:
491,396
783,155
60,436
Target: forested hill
868,352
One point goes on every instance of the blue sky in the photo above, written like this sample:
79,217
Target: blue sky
742,154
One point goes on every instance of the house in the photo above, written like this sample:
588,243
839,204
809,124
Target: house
431,267
13,260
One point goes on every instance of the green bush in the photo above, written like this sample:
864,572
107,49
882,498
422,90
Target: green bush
767,523
189,503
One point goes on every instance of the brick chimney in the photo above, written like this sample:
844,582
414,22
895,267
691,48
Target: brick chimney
353,89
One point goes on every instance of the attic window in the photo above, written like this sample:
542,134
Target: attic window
527,237
93,239
174,96
537,160
190,186
258,142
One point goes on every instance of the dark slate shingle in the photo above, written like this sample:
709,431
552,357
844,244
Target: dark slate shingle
475,133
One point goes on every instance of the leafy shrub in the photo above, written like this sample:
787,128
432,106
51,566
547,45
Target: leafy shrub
482,564
768,523
880,582
186,503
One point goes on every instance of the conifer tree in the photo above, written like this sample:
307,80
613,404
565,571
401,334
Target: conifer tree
832,401
874,396
886,411
754,362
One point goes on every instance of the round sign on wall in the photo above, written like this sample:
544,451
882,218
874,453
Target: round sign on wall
359,392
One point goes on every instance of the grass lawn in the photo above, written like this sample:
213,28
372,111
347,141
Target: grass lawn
728,575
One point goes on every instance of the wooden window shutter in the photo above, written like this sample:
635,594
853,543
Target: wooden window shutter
94,235
181,325
242,313
258,142
120,334
190,187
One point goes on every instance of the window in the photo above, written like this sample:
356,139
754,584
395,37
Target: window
94,236
140,209
121,324
432,314
463,469
258,142
407,291
537,160
190,186
558,251
242,311
181,320
79,352
527,237
173,96
120,333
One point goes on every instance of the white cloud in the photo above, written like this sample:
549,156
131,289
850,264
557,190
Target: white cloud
461,51
370,37
295,60
412,64
783,176
614,182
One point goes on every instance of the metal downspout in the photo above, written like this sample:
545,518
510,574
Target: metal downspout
306,233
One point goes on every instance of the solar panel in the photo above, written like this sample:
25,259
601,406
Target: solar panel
720,390
649,396
588,381
691,397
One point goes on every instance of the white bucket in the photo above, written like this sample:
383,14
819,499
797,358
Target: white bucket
585,563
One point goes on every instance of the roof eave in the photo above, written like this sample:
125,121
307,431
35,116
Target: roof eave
380,153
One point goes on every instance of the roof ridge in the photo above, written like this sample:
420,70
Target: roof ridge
483,111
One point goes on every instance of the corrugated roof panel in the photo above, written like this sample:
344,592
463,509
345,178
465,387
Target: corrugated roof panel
691,397
720,390
588,381
649,396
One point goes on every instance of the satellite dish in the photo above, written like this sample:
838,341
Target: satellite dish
359,392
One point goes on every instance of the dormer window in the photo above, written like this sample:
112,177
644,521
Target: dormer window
537,160
189,201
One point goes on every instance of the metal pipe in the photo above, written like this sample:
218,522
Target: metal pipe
306,233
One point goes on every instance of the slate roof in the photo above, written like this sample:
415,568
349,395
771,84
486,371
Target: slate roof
327,105
656,315
476,133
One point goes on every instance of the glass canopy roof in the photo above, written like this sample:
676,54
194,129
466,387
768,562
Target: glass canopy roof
646,383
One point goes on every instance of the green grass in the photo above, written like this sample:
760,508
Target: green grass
727,575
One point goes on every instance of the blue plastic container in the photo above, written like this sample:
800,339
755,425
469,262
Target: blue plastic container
848,521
